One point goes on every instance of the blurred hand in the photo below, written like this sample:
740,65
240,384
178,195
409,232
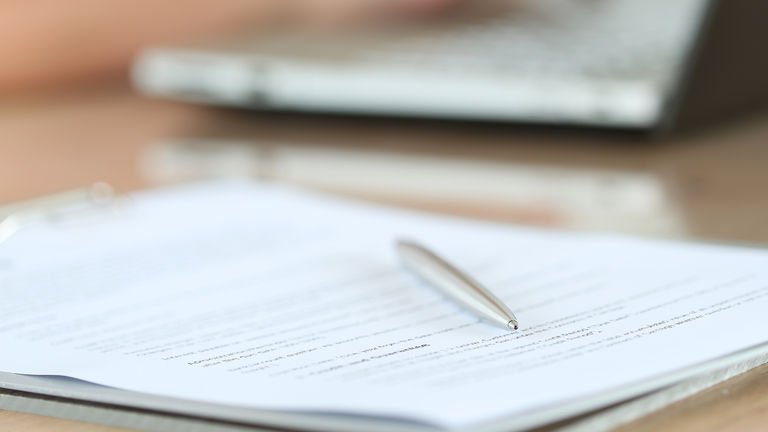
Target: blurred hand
50,42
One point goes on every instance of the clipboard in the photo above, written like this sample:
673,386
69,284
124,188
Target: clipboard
102,404
55,208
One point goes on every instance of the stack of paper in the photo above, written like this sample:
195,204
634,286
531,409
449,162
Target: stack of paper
276,307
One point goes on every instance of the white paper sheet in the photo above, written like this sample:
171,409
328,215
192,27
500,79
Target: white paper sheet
271,298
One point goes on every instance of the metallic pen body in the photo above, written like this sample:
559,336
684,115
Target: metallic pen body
440,274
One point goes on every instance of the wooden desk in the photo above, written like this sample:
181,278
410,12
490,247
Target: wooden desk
716,182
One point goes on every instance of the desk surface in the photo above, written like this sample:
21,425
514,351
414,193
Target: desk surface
708,185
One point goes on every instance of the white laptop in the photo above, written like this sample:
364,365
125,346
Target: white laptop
619,63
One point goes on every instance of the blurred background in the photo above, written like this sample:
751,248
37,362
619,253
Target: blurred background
639,116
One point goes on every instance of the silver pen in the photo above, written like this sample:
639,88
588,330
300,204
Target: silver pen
455,284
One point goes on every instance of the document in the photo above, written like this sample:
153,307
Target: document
277,299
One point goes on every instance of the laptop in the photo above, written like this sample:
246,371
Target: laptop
652,65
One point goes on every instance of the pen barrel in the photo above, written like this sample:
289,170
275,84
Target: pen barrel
456,285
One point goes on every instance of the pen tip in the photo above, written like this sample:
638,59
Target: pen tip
512,325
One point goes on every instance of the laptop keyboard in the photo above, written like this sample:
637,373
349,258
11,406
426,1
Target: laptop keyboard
598,38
